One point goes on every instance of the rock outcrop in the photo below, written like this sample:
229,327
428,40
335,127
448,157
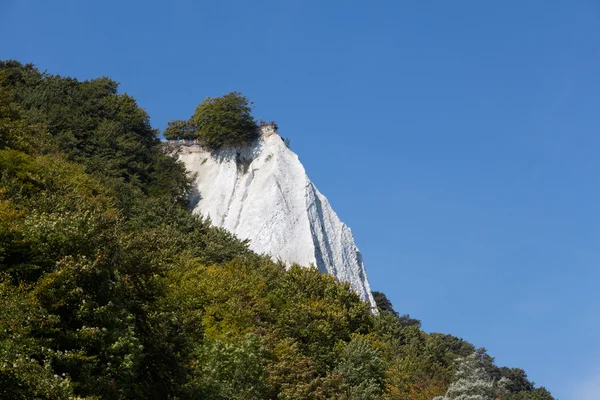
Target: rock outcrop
261,192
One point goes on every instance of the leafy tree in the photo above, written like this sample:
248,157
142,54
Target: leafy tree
521,388
362,370
318,312
383,303
225,121
416,368
180,129
517,380
26,370
292,375
472,382
231,370
110,288
540,393
91,124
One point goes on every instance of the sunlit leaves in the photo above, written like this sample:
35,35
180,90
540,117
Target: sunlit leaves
224,121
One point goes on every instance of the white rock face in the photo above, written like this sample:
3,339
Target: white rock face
261,192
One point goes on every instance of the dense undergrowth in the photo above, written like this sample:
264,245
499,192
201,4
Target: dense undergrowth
111,289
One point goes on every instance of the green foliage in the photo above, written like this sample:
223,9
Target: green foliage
111,289
90,123
292,375
232,370
180,129
317,312
225,121
362,370
26,370
472,382
540,393
384,305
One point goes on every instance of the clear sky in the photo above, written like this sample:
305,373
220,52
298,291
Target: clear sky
458,139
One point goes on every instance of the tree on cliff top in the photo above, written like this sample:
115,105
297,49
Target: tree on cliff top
225,121
180,129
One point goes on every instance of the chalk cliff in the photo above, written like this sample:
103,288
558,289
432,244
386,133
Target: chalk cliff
261,192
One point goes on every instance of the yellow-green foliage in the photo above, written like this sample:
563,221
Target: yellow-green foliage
111,289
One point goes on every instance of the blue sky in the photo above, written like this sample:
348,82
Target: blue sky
459,140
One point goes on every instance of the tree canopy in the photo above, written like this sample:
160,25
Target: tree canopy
111,289
225,121
218,122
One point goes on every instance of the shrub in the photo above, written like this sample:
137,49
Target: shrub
225,121
179,129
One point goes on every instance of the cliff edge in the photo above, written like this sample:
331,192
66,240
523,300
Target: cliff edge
261,192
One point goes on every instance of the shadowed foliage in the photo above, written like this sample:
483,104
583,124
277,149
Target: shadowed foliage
111,289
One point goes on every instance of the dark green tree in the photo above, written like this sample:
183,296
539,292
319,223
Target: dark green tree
231,371
180,129
383,303
536,394
110,288
362,370
225,121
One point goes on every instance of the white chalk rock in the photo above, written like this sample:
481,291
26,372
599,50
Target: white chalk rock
261,192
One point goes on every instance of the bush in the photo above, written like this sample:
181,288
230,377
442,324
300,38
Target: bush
179,129
225,121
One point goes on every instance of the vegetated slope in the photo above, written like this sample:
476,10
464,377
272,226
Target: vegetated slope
110,288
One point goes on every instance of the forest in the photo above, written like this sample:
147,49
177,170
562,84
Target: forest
110,288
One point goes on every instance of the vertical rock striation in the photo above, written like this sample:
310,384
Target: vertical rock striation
261,192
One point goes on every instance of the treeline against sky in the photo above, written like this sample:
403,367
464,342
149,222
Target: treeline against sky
111,289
